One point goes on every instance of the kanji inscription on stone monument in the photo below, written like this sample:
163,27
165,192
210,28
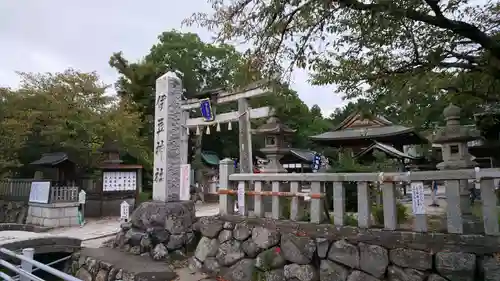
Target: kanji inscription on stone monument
166,185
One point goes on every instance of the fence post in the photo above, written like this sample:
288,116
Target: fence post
226,201
389,205
316,203
490,211
11,187
364,205
26,266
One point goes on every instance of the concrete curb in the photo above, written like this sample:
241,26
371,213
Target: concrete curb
100,236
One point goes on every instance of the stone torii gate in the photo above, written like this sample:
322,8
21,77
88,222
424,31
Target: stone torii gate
172,126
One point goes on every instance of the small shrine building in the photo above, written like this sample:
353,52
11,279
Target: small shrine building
365,134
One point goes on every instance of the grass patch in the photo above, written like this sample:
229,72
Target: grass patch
402,213
144,196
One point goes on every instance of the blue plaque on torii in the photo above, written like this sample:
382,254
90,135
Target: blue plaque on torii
316,164
206,110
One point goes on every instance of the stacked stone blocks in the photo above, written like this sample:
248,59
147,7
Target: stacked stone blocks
13,211
158,228
231,250
53,215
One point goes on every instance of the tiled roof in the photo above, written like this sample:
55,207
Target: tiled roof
367,133
387,149
51,159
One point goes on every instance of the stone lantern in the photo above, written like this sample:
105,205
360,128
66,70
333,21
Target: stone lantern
111,152
453,139
276,146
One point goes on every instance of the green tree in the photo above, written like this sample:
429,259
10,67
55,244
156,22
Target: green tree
68,112
401,54
316,112
208,66
202,66
13,132
293,112
419,111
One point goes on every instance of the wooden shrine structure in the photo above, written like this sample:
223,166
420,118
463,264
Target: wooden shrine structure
365,134
298,160
57,167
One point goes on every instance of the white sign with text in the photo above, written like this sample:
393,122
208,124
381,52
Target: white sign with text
241,198
418,198
119,180
40,192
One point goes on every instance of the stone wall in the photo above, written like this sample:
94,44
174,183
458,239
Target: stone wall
13,211
44,244
106,264
53,215
158,228
89,269
232,248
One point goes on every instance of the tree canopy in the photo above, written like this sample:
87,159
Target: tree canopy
403,55
68,112
72,112
207,66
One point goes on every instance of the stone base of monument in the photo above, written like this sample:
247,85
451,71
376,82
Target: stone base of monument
158,228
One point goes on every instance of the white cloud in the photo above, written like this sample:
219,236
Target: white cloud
47,62
52,35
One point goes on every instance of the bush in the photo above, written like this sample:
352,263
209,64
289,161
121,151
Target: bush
143,197
378,213
350,220
285,210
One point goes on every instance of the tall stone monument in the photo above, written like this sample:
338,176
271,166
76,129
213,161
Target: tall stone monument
165,224
167,140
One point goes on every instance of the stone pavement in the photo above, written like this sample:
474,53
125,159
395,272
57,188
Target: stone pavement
105,227
10,236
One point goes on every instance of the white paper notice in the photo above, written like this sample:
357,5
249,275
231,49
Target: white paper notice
418,198
185,182
40,191
119,180
241,198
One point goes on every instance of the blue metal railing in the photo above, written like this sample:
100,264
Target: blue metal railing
26,270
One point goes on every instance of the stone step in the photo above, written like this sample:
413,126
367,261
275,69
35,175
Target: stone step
100,263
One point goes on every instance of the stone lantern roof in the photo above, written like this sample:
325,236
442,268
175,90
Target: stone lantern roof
274,126
453,131
451,111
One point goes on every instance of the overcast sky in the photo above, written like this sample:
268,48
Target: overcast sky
52,35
